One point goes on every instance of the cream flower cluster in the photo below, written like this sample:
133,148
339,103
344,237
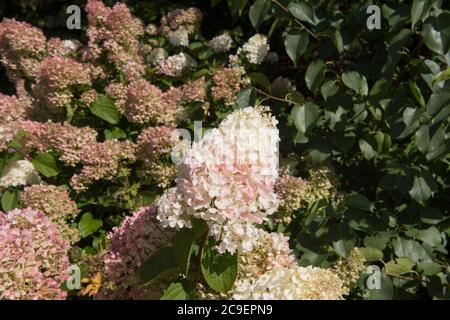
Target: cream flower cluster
179,38
296,283
19,173
256,48
221,43
227,180
176,65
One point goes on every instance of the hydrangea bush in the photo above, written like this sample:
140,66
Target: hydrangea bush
274,154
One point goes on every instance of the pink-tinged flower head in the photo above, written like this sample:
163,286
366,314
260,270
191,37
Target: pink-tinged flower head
154,142
115,32
118,92
56,204
22,47
58,47
227,178
291,192
147,104
194,91
102,161
188,19
33,256
56,79
134,241
67,140
227,83
11,109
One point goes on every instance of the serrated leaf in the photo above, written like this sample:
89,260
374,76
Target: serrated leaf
329,88
261,80
10,199
46,165
182,249
399,266
356,82
371,254
161,262
246,97
315,74
296,42
420,191
104,108
367,149
305,116
219,270
183,290
303,11
259,12
417,93
88,225
418,9
443,75
360,202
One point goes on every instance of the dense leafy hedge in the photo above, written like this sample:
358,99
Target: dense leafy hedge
368,109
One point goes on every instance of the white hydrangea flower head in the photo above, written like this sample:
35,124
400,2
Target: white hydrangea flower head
176,65
236,237
227,179
256,48
297,283
19,173
71,45
171,211
221,43
157,56
179,38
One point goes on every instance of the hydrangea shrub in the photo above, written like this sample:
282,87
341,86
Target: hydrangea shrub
322,150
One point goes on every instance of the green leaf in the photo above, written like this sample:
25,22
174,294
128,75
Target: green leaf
367,149
356,82
329,88
410,249
46,165
305,116
417,93
360,202
88,225
104,108
418,10
219,270
399,266
315,74
10,199
436,33
259,12
246,97
385,290
115,133
420,191
236,6
261,80
183,290
343,247
303,11
442,76
161,262
371,254
182,249
199,227
428,267
422,139
296,42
